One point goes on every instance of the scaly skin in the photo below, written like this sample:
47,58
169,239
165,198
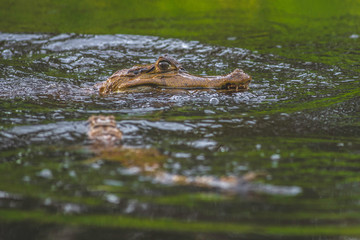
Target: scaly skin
168,73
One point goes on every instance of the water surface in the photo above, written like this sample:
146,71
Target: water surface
299,123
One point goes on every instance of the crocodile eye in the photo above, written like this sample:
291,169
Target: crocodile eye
164,65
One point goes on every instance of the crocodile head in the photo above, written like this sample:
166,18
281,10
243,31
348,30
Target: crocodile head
166,72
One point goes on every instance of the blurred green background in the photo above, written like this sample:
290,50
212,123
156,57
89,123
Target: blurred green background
295,29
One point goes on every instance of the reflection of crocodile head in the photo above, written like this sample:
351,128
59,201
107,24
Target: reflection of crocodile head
105,137
168,73
103,131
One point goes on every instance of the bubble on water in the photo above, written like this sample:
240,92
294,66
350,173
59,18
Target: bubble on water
112,198
95,166
251,122
131,206
354,36
176,98
182,155
204,143
4,194
223,149
115,183
275,157
45,173
280,190
26,179
47,201
214,101
68,59
129,171
71,208
175,166
7,54
57,116
72,173
242,168
258,146
185,46
275,160
206,111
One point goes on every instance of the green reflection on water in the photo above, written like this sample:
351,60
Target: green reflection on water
316,31
166,224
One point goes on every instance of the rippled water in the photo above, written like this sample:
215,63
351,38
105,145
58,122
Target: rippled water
299,123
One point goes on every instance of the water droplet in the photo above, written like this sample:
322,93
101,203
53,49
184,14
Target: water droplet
176,98
214,101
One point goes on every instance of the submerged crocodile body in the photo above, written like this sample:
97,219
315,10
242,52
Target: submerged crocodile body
166,72
106,139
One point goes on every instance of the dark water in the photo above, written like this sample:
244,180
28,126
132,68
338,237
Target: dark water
299,123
